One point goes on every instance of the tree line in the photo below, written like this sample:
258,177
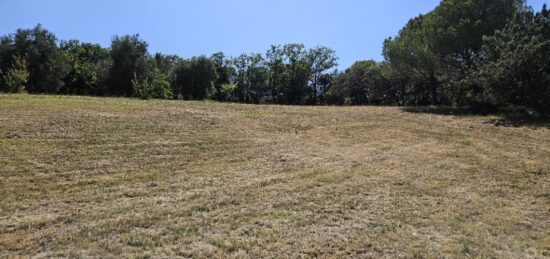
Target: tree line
480,53
32,60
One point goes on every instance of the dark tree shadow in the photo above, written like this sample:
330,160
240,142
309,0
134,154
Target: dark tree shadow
505,117
508,120
445,110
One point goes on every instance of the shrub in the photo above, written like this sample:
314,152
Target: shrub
17,76
227,92
154,87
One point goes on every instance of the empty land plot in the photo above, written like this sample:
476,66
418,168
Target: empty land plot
110,177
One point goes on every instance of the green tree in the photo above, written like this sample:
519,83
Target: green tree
456,27
194,79
244,88
514,68
455,31
393,85
44,60
155,86
161,86
353,86
165,63
84,61
323,61
257,74
6,55
129,60
434,51
297,74
410,53
225,72
274,60
16,76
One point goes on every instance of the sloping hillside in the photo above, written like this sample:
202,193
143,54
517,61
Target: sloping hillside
104,177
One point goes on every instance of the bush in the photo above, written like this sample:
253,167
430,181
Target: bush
16,77
227,92
155,87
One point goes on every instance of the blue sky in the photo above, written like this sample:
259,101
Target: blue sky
354,28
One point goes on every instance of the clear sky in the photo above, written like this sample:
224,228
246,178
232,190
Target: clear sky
354,28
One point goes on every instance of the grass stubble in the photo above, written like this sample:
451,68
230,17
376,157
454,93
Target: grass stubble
111,177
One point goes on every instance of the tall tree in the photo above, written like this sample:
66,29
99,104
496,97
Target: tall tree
130,59
455,31
514,68
274,60
251,78
435,50
225,71
322,60
6,56
257,74
353,86
84,61
298,74
43,58
194,79
243,91
409,52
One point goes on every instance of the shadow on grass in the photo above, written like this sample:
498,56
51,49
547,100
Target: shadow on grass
506,117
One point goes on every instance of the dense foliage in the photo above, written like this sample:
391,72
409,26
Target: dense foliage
476,52
32,60
464,52
515,67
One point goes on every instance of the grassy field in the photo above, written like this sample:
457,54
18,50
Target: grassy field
107,177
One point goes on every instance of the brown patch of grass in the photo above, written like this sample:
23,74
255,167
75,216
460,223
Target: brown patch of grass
104,177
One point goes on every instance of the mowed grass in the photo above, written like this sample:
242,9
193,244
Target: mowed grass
111,177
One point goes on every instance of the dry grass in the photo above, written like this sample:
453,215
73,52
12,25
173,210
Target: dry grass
105,177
